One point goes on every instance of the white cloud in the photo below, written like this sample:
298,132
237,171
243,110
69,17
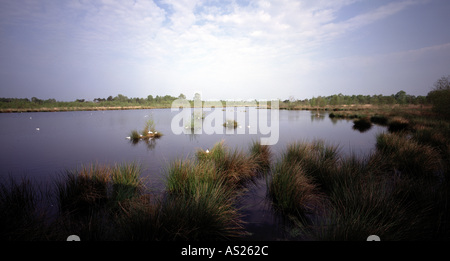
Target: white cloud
198,43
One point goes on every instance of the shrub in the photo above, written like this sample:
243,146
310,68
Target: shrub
362,124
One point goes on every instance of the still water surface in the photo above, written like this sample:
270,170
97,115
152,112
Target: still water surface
42,145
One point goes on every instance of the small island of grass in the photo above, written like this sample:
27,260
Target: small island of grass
149,132
230,124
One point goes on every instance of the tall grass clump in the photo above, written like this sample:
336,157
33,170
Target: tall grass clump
433,136
84,190
292,191
207,214
126,181
362,124
184,176
20,215
262,155
230,124
369,206
135,136
235,166
149,126
362,201
352,199
317,159
149,130
398,124
199,203
379,119
408,156
91,199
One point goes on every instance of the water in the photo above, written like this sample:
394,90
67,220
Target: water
43,145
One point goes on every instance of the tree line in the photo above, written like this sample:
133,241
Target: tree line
400,97
337,99
119,100
439,97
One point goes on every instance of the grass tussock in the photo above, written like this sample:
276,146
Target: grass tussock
317,158
262,155
21,218
199,204
393,193
292,191
379,119
397,124
203,192
408,156
362,124
148,133
236,166
232,124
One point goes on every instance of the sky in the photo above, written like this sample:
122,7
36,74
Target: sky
227,49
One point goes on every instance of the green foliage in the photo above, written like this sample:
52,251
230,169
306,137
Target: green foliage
440,96
232,124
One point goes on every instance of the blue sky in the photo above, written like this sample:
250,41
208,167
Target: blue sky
233,49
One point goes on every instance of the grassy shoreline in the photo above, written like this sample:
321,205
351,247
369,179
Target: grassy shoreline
63,109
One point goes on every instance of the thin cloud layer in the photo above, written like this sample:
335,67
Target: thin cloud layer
225,49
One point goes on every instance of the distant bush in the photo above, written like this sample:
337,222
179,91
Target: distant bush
440,96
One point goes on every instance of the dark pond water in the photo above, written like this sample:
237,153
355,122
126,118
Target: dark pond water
44,144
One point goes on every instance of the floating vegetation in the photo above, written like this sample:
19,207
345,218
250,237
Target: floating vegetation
379,119
398,124
149,132
362,124
232,124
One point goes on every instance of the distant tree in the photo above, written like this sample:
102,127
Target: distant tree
150,98
400,97
110,98
321,101
36,100
181,96
440,96
334,100
121,98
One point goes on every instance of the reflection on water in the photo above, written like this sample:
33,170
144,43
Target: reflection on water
42,145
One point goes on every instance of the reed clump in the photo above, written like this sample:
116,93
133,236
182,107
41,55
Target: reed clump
21,215
262,155
199,204
317,158
232,124
236,166
292,191
89,199
408,156
148,133
204,191
362,124
379,119
397,124
393,193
